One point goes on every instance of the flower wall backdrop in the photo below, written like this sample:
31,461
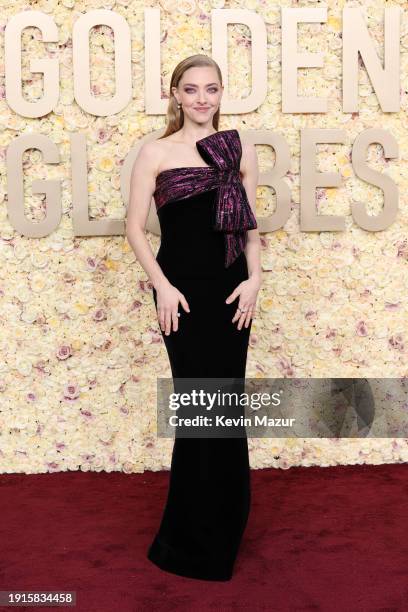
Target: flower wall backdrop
80,343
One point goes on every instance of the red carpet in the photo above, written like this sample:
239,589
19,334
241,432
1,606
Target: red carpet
325,539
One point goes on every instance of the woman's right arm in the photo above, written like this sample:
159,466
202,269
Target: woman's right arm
142,186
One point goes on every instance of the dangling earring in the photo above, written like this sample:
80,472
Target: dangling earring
179,105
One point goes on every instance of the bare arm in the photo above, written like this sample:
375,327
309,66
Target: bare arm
247,290
142,186
250,175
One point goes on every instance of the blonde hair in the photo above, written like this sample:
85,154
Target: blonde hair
175,115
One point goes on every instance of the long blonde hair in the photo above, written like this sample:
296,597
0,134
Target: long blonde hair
175,115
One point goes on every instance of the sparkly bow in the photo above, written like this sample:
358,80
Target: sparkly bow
233,213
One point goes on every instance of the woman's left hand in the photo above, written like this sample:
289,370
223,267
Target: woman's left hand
247,292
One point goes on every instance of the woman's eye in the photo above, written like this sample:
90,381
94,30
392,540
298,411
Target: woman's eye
212,89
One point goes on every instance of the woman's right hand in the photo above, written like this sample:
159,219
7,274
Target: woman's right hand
168,299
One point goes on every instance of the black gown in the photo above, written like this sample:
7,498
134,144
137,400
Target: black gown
208,499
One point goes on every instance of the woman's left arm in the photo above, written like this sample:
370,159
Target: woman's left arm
248,289
250,175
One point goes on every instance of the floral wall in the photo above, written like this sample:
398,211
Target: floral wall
80,344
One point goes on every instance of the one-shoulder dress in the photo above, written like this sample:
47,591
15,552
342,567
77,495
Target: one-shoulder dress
204,215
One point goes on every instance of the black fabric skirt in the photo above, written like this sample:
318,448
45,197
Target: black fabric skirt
208,500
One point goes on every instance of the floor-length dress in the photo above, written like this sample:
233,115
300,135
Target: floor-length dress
208,499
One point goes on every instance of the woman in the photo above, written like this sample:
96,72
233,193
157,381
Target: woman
206,278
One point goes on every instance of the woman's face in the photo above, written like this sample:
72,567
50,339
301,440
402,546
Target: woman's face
199,92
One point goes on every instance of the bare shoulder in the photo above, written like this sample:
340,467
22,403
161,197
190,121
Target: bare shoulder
149,156
151,149
158,148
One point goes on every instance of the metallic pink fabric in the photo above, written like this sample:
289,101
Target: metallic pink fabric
232,213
